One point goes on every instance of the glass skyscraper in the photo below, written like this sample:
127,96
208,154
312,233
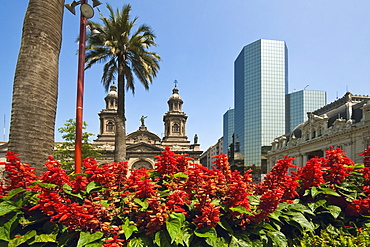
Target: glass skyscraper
260,86
301,102
228,129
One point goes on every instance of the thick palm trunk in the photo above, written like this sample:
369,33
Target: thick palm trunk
35,88
120,137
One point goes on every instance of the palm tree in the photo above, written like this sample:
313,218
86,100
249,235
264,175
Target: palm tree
35,87
125,54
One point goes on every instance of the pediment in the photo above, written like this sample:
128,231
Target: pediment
142,136
143,147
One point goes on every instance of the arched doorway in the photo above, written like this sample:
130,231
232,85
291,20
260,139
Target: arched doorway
141,164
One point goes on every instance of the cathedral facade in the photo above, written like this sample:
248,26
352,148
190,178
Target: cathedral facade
142,144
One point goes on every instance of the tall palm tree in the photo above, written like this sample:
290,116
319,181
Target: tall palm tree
35,87
125,54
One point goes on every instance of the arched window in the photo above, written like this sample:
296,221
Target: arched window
110,127
175,128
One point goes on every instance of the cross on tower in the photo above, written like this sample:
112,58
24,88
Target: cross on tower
175,83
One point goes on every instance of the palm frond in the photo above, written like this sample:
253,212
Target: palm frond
116,40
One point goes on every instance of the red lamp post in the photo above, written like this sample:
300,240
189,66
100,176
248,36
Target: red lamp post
86,12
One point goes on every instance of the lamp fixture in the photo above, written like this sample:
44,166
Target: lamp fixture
96,3
71,7
86,10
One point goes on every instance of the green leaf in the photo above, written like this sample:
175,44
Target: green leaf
22,239
45,185
334,210
240,240
174,223
180,175
144,204
68,190
188,234
278,238
206,232
315,205
7,207
314,192
93,245
93,186
8,223
306,192
162,239
254,200
241,210
128,229
218,242
12,193
78,195
257,243
275,215
269,227
301,220
87,237
139,242
225,225
328,191
301,208
45,238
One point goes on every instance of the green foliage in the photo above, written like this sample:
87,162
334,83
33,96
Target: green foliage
334,238
64,152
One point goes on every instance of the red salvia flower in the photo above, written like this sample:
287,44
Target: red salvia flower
209,216
311,174
54,174
337,165
366,155
278,178
114,241
169,163
18,175
269,201
79,184
141,183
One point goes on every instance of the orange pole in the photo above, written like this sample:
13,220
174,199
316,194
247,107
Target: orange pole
80,92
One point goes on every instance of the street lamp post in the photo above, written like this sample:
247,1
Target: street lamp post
86,12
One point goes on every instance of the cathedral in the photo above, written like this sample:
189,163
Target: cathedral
143,145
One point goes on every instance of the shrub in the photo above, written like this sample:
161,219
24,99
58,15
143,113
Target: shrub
178,204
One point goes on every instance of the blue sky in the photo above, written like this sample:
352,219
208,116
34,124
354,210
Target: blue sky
328,44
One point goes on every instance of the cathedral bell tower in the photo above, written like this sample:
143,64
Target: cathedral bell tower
106,116
175,122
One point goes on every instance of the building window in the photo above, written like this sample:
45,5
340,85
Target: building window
175,128
320,132
110,127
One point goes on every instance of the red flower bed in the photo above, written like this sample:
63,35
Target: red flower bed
179,202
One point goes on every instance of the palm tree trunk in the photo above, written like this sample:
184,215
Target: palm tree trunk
120,137
35,88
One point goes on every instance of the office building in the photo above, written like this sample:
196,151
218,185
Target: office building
299,103
228,129
260,86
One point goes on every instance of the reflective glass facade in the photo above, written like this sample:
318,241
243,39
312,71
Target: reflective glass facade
260,84
301,102
228,129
